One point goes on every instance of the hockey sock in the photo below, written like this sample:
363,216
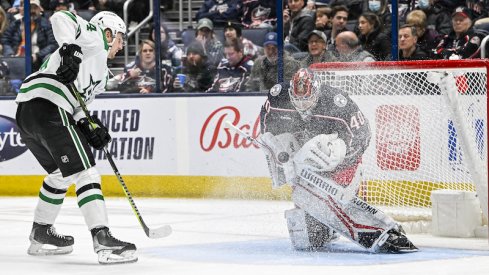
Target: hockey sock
92,204
49,204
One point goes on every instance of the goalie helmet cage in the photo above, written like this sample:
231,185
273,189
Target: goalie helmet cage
429,130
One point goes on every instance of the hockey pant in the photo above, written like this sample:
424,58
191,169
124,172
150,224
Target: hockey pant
88,192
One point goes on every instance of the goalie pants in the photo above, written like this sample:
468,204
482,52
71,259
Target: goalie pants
52,136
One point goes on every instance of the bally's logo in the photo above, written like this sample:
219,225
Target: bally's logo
11,144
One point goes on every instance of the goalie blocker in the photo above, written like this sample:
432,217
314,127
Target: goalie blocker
325,134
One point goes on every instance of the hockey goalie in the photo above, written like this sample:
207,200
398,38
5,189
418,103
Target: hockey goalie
313,136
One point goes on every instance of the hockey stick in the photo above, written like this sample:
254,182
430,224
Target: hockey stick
156,233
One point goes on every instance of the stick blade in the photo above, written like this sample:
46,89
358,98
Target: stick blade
160,232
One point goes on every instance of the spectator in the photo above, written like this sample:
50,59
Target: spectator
259,14
355,7
220,11
170,53
264,74
5,5
380,8
139,76
299,22
479,8
234,71
212,46
43,42
372,38
339,19
408,49
437,15
349,50
233,31
323,16
198,74
61,5
3,26
428,39
462,42
317,52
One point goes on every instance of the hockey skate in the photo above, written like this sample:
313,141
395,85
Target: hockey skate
45,241
396,242
111,250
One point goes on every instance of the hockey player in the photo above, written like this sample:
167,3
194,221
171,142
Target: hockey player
314,136
55,129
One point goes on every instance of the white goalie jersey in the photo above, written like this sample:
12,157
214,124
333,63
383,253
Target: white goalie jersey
92,77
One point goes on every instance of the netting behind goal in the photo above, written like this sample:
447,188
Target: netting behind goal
428,132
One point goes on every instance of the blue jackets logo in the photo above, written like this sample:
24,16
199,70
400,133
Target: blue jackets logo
11,145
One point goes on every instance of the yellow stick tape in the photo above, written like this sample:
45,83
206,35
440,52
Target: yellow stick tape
162,186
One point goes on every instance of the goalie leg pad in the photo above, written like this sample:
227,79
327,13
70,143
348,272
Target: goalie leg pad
307,233
356,220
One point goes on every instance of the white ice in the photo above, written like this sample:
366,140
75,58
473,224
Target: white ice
219,237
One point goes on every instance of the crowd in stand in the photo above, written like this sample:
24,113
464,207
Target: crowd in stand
217,57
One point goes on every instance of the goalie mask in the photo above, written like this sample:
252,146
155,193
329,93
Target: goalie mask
109,20
304,90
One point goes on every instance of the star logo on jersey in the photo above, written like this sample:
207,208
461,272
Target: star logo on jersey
340,100
87,91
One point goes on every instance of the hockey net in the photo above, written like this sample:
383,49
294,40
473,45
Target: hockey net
424,136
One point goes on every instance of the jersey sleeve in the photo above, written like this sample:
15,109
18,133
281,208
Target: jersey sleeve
65,27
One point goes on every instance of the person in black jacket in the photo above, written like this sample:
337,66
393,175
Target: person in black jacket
220,11
408,49
13,40
462,42
298,23
372,38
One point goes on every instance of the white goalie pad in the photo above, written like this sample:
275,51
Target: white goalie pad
322,153
278,152
307,233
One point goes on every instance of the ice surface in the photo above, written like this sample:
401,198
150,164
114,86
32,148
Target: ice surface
219,237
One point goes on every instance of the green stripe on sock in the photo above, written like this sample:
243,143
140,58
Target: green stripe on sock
89,199
49,200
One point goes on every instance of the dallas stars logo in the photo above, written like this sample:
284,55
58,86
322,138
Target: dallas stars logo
87,91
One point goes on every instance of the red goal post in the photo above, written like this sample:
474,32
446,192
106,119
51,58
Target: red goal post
429,129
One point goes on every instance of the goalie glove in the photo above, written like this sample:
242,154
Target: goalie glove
96,133
278,153
322,153
71,57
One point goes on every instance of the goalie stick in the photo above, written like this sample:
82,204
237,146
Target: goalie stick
155,233
327,186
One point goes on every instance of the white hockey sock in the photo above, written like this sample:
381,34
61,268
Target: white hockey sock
90,198
49,204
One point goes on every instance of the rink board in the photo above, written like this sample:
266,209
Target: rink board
178,146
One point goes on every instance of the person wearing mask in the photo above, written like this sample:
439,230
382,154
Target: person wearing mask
381,9
437,15
408,49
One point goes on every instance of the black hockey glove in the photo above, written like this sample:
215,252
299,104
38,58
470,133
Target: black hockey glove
97,135
71,57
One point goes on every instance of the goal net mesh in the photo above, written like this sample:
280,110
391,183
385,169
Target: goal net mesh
416,143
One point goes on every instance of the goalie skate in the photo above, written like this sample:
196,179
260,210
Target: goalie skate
396,242
111,250
46,241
